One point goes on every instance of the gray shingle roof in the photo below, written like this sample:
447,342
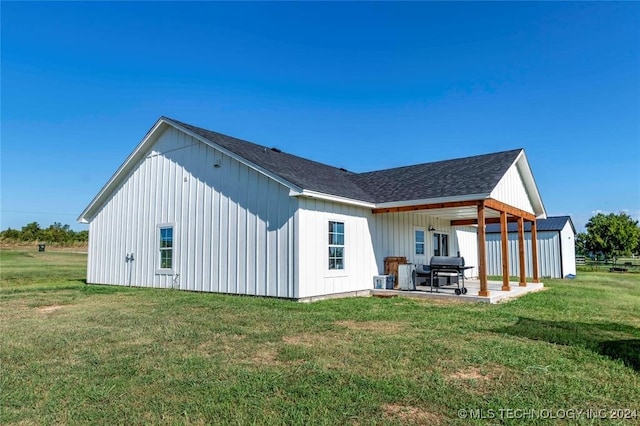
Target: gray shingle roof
449,178
554,223
304,173
462,176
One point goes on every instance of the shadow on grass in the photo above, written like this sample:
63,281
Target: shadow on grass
608,339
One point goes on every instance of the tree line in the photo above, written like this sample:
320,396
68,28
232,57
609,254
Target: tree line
56,233
609,236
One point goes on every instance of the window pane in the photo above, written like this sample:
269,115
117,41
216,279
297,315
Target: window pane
419,248
419,236
166,259
166,237
335,251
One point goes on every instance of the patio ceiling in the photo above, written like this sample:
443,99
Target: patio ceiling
462,212
458,213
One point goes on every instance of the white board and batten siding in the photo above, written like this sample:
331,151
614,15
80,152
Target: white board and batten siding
466,238
369,239
568,250
312,248
393,234
233,228
512,191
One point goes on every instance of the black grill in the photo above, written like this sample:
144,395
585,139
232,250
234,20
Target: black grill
445,270
446,262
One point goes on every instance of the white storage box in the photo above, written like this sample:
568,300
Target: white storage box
383,282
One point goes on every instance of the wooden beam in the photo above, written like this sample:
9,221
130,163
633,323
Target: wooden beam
534,251
513,211
523,276
465,222
447,205
482,252
504,238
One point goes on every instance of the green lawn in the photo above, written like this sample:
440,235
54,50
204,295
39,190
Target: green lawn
78,354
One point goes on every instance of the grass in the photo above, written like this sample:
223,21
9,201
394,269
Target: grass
79,354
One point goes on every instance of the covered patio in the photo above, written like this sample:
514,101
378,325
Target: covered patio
479,212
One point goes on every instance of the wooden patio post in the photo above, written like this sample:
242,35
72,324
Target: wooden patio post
523,272
505,251
534,251
482,257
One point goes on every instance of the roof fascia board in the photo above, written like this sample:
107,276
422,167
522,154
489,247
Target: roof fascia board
522,164
148,139
237,157
333,198
409,203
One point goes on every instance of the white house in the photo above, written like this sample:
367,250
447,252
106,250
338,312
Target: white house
556,242
197,210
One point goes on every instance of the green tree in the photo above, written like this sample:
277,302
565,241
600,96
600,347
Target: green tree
10,234
31,232
582,244
613,235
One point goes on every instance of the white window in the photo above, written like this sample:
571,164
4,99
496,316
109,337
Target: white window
336,245
166,247
419,238
440,245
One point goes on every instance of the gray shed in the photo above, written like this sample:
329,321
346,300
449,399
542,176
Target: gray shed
556,247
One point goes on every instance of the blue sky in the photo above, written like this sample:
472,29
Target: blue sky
362,86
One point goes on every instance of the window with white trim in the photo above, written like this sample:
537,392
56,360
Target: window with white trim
166,247
336,245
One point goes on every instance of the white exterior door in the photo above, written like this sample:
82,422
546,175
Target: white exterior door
419,245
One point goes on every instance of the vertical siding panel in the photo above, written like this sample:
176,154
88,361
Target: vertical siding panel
216,221
152,209
262,247
205,225
232,250
272,241
223,242
282,244
198,216
251,242
242,221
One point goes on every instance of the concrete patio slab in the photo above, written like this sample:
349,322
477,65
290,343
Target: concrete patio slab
496,294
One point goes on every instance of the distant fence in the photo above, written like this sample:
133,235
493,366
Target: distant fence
620,264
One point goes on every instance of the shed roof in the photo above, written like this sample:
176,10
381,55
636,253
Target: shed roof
553,223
